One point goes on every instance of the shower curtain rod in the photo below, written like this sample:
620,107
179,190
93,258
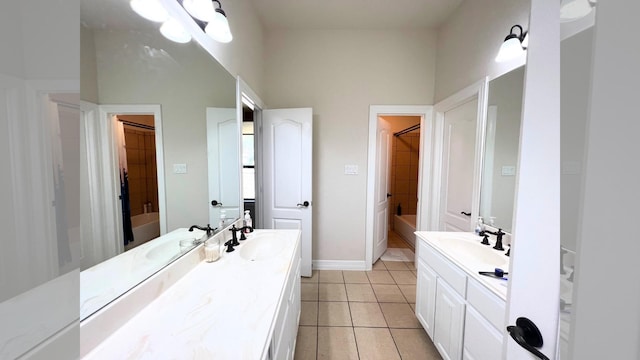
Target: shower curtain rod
409,129
141,126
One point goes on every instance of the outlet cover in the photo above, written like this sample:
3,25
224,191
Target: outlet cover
179,168
508,171
351,169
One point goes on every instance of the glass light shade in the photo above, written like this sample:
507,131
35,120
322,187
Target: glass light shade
510,49
199,9
150,10
218,28
174,31
574,9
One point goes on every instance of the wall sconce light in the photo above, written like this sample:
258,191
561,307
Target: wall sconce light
571,10
513,45
212,20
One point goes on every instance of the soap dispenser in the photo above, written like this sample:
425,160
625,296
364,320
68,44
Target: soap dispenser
479,226
247,220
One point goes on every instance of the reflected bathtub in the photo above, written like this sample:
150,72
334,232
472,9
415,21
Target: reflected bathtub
405,226
145,227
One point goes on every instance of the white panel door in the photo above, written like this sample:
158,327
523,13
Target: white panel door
381,220
222,155
287,184
459,153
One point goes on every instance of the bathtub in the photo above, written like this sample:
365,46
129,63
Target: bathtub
405,226
145,227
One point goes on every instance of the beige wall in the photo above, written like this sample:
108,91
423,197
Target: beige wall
184,80
469,41
88,67
340,73
244,55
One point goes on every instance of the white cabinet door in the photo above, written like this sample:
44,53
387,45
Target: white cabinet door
482,341
449,321
426,297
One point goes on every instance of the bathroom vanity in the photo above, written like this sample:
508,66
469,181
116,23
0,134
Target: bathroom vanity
246,305
462,311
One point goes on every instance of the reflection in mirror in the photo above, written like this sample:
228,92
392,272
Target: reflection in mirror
156,94
502,139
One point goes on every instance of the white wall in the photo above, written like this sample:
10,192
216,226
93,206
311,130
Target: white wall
469,41
184,79
339,73
606,311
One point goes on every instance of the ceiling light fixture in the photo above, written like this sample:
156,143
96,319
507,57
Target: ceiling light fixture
513,45
571,10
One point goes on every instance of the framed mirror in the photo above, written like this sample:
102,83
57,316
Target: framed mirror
148,100
502,140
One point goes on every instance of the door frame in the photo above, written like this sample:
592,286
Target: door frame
106,111
424,180
243,89
479,90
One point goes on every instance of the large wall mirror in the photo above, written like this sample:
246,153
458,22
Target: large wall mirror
172,105
502,140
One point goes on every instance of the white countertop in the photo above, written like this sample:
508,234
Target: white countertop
465,251
220,310
102,283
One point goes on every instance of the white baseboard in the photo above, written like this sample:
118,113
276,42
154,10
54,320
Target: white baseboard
339,265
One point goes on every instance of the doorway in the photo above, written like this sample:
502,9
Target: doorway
393,184
138,178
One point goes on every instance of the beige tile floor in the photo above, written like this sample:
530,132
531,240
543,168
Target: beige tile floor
362,315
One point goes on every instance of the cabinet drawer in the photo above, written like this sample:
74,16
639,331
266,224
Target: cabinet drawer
455,277
487,303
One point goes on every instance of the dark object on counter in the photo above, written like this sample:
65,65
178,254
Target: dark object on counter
207,228
498,235
399,210
485,239
498,273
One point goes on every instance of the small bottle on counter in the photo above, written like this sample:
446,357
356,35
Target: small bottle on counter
223,218
247,220
479,226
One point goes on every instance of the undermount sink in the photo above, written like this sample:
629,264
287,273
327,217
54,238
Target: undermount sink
475,252
260,248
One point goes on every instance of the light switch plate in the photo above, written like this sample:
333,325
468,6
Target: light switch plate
179,168
351,169
508,171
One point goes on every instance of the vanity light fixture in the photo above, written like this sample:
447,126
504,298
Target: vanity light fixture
218,27
513,45
150,9
174,31
571,10
212,19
